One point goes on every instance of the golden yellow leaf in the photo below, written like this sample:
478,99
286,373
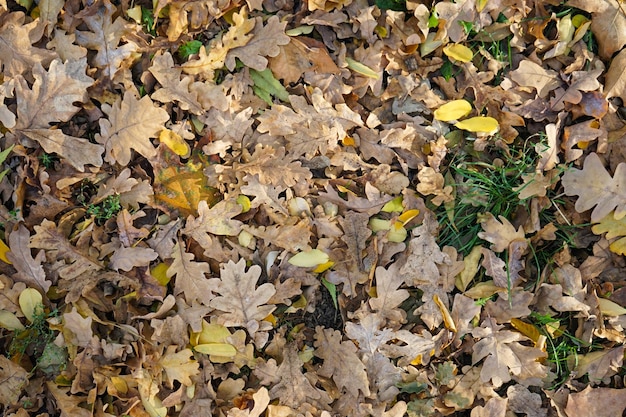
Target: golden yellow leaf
453,110
458,52
309,258
610,308
479,124
175,142
3,252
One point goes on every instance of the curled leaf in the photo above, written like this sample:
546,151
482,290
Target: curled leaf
453,110
458,52
479,124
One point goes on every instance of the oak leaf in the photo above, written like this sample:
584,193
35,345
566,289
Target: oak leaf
615,79
29,269
105,36
126,258
14,378
130,125
504,356
172,87
17,37
598,402
179,366
499,233
265,42
594,187
388,296
613,228
340,362
532,75
242,302
190,276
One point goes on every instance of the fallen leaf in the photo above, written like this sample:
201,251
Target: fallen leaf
599,402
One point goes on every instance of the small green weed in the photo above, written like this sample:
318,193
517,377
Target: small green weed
189,48
35,340
106,209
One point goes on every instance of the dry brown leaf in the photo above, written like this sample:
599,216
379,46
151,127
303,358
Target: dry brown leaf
597,402
531,75
130,125
16,50
179,366
13,379
108,36
341,362
615,78
29,269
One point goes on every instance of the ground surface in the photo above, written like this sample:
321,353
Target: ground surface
282,208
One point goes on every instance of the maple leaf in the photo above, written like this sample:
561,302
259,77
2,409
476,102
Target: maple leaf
16,51
105,36
241,301
190,276
131,124
504,356
179,366
595,187
340,362
29,269
180,186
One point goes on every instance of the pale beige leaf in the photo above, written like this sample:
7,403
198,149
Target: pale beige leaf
242,302
388,296
13,379
499,233
130,125
615,79
190,276
495,407
265,42
594,187
126,258
532,75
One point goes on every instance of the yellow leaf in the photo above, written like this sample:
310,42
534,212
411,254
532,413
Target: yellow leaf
407,216
213,333
613,228
479,124
3,252
458,52
609,308
447,318
527,329
397,233
159,272
323,267
31,303
393,205
175,142
216,349
480,5
309,258
453,110
471,268
362,69
244,201
9,321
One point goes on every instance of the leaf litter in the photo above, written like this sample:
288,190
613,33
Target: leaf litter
273,208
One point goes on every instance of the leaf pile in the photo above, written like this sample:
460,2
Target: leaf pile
278,208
